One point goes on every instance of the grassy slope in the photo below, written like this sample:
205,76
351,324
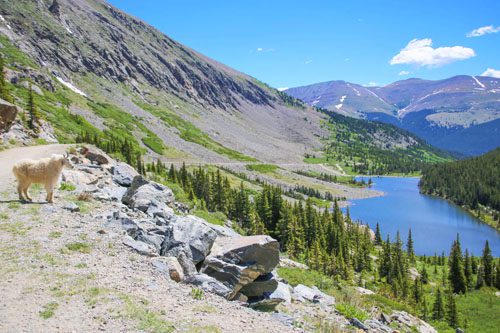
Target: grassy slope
353,141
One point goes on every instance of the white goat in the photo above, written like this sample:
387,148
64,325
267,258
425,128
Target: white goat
45,171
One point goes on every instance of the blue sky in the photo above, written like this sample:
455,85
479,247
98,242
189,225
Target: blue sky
288,43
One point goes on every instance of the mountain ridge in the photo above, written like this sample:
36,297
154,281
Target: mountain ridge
453,104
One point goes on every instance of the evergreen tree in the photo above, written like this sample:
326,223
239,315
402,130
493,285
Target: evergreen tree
456,275
480,277
424,275
438,308
452,313
409,248
4,91
487,263
34,114
497,275
468,270
378,236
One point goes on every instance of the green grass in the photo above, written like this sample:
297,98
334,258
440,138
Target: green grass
55,234
481,308
147,320
262,168
217,218
4,216
49,310
307,277
13,55
79,247
67,187
124,125
191,133
197,293
350,311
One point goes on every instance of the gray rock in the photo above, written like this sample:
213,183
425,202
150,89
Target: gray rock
357,323
142,248
191,235
303,293
115,193
377,326
170,267
263,285
239,261
8,113
283,318
71,206
149,197
208,284
282,292
264,304
123,174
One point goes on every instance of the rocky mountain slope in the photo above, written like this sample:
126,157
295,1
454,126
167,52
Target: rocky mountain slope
99,71
99,52
459,114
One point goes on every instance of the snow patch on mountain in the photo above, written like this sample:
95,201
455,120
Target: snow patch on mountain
478,82
71,87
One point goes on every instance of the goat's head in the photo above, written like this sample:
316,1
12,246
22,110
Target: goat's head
66,162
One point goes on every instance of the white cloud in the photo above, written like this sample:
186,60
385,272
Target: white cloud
371,84
282,89
420,52
402,73
262,49
307,62
489,29
492,72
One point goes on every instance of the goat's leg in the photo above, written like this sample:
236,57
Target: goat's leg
20,191
25,191
50,193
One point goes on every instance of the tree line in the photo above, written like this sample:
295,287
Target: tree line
471,182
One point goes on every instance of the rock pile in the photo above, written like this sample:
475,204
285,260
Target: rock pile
186,248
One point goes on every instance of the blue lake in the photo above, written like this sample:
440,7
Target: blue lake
434,222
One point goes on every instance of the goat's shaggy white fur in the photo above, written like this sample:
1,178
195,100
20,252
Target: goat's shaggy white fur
45,171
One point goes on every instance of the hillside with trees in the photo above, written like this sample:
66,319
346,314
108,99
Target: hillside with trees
472,183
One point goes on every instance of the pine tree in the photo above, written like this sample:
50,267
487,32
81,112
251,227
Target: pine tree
425,309
468,270
456,275
34,114
424,275
452,313
487,263
438,308
480,277
409,248
497,275
4,91
378,236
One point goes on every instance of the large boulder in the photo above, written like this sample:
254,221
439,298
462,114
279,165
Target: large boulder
149,197
190,239
237,262
8,113
123,174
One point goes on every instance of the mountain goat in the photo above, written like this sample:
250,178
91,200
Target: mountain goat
45,171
